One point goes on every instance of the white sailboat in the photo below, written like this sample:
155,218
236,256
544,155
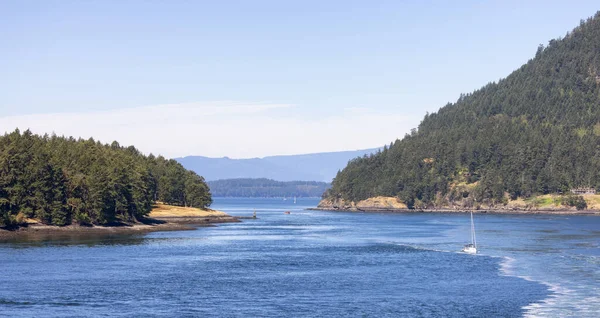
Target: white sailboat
471,248
294,200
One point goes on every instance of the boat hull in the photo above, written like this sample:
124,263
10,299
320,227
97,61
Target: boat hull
469,250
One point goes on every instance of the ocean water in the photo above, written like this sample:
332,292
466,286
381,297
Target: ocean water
313,264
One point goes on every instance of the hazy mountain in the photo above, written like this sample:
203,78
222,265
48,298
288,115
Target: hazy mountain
313,167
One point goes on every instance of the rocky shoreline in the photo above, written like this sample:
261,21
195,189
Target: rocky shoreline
483,211
393,205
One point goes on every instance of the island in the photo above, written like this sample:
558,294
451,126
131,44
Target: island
55,184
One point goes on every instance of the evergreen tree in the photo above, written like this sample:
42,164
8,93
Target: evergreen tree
59,180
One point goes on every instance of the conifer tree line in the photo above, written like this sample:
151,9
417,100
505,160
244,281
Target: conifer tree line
266,188
535,132
62,180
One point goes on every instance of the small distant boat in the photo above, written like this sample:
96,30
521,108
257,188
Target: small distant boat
287,212
284,199
471,248
294,200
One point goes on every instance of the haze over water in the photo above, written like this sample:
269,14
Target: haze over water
312,263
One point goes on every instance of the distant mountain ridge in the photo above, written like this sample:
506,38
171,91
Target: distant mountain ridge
305,167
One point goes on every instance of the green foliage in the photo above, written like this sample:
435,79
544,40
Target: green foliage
534,132
574,200
266,188
196,191
60,180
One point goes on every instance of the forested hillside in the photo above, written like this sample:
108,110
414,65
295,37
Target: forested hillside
535,132
266,188
62,180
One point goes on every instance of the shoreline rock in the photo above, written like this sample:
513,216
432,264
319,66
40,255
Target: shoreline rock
379,202
482,211
386,204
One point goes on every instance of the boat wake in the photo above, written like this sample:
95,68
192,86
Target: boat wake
562,301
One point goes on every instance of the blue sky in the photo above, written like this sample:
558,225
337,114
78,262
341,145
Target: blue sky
257,78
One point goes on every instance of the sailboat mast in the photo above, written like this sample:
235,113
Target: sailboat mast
473,239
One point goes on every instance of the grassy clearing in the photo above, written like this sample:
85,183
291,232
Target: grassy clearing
545,201
593,201
164,210
553,201
382,203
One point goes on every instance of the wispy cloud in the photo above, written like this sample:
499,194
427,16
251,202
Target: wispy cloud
234,129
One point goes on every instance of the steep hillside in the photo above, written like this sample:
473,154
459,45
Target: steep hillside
535,132
315,167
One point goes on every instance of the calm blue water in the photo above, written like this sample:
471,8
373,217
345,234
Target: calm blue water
314,264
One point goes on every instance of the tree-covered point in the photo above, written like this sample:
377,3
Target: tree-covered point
535,132
62,180
266,188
